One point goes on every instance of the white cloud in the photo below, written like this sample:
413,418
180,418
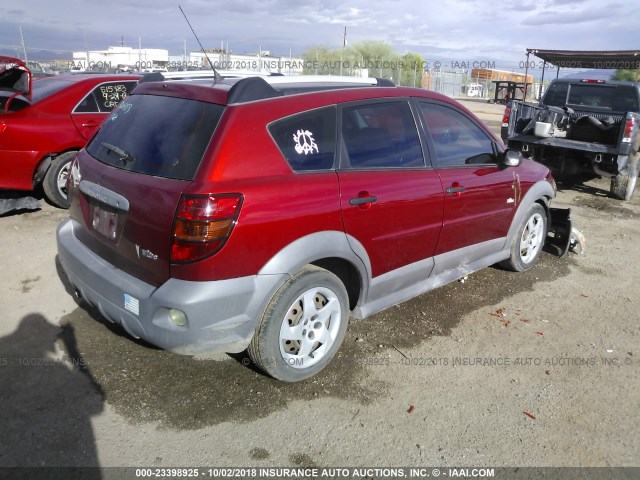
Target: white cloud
464,29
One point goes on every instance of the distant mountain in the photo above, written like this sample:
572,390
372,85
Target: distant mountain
38,55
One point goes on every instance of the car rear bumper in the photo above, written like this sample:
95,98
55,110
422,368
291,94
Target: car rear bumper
221,316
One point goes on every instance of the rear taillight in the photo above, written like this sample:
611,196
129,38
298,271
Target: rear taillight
505,117
202,225
628,130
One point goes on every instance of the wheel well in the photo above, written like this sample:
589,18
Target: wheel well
45,162
544,202
347,273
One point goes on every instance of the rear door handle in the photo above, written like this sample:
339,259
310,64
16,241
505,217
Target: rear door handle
90,124
363,200
455,189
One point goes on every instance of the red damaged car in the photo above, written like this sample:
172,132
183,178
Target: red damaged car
44,123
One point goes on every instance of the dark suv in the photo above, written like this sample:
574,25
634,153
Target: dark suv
258,214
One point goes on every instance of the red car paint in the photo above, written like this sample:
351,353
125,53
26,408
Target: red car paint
46,127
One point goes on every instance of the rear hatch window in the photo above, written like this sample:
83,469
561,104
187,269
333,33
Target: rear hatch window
155,135
131,178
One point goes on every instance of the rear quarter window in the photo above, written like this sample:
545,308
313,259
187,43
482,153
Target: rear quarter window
156,135
105,97
307,140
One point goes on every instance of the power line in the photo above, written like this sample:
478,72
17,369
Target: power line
14,46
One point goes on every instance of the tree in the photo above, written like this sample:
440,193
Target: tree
321,61
413,66
628,75
375,59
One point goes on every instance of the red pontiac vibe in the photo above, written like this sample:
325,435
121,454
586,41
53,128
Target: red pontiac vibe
258,214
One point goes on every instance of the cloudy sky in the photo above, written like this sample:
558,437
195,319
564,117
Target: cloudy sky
460,30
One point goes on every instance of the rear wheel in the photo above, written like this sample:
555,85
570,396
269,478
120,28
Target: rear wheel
55,181
302,327
624,185
528,241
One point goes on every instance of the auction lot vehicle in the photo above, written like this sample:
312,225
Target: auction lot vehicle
580,128
259,213
43,127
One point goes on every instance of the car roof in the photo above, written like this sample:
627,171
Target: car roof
588,81
232,91
92,77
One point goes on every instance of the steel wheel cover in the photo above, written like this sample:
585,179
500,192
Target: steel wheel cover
310,327
61,181
532,238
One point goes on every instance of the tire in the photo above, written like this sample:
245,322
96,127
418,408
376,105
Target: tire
528,241
624,185
302,327
55,180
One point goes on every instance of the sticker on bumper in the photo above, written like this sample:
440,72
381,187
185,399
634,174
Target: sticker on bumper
131,304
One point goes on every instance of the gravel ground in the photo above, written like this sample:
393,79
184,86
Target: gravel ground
505,369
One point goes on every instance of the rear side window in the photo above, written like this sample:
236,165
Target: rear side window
307,140
381,135
155,135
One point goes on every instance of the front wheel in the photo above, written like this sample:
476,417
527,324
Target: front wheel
302,327
55,181
528,241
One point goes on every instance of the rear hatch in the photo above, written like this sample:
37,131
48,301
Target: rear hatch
125,188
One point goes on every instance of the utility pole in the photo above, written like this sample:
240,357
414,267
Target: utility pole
24,47
184,56
86,47
344,44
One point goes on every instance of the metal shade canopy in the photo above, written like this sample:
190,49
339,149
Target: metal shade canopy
614,59
579,59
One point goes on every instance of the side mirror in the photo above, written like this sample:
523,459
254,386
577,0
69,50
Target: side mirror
512,158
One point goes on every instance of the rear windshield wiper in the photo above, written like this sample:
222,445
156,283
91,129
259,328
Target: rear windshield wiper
125,156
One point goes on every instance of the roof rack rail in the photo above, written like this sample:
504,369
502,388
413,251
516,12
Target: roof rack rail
202,75
262,88
330,79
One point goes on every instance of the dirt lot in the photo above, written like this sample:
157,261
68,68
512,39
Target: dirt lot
505,369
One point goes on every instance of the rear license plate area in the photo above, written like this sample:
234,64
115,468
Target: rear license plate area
105,221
